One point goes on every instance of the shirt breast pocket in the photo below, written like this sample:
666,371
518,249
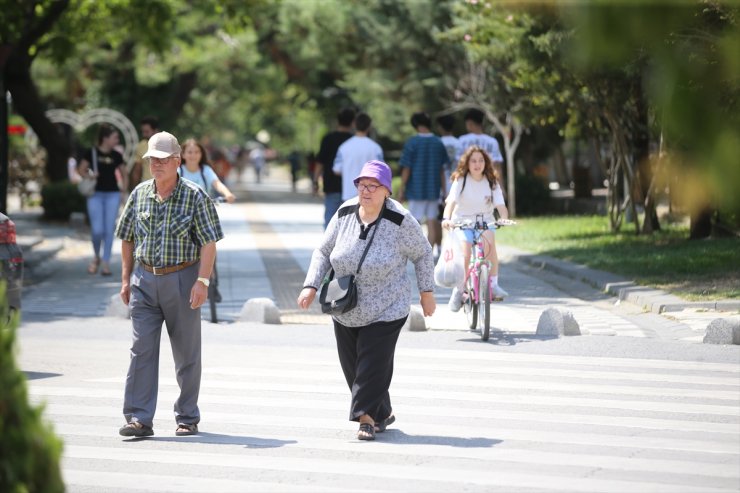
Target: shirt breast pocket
180,225
143,224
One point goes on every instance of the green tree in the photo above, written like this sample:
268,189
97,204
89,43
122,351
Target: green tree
691,80
56,29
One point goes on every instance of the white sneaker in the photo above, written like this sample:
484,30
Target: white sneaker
455,300
498,292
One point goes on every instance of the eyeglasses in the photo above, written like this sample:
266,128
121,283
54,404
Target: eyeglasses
369,188
159,160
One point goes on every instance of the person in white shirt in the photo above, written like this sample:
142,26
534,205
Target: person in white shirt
476,137
475,191
354,153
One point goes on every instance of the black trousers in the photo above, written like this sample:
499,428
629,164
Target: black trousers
366,355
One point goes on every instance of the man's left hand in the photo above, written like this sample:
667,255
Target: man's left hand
198,295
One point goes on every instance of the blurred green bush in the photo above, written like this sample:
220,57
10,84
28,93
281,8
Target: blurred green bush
29,450
60,199
532,195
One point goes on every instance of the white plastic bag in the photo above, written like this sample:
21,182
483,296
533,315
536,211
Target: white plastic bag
450,271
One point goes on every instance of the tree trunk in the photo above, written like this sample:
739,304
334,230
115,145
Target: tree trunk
29,105
184,85
642,160
701,224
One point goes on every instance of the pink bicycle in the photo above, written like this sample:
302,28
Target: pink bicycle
477,297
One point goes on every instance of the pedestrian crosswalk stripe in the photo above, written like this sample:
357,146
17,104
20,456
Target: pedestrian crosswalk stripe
267,422
485,474
511,454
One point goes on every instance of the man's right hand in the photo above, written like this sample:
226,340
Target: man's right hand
125,293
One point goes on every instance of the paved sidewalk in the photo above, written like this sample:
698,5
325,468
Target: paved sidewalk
271,234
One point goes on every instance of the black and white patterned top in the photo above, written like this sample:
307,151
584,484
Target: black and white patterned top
383,287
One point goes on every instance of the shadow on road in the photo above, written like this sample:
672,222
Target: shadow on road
400,438
36,375
219,439
499,338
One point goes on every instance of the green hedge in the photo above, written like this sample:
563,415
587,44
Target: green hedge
532,195
60,199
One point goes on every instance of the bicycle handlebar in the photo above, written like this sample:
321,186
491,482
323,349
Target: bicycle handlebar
469,224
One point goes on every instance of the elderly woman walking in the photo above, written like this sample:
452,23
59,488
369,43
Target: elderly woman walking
367,334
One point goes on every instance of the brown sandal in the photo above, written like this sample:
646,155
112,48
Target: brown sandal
185,429
92,268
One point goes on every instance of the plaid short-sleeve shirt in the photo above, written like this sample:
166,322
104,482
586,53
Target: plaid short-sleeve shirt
171,231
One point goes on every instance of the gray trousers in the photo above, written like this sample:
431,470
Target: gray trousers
155,300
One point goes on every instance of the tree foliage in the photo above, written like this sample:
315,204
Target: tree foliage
623,74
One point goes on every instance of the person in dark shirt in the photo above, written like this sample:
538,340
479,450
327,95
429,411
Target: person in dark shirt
327,152
102,207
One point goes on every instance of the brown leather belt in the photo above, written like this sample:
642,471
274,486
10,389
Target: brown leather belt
160,271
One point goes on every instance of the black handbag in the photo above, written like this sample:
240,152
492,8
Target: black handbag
340,295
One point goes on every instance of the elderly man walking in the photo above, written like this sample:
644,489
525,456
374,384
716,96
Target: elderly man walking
169,229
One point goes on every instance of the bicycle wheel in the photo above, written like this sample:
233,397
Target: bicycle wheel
471,311
484,304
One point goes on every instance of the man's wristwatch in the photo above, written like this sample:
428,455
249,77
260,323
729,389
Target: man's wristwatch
205,281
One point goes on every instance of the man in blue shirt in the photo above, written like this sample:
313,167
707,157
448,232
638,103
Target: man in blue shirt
423,160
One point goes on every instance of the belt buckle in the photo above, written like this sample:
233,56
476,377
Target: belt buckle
155,269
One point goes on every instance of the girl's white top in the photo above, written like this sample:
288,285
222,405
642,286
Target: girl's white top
476,198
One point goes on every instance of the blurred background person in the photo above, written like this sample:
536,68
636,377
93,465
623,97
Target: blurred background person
102,207
148,126
332,183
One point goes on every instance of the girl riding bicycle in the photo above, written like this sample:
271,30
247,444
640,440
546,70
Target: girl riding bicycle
475,191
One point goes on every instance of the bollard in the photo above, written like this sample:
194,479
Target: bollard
556,322
415,322
261,310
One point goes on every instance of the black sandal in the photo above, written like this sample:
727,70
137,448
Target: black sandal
135,429
380,427
368,430
190,429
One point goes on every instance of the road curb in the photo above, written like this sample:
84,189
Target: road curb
650,299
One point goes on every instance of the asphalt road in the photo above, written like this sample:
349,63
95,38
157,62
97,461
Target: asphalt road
636,405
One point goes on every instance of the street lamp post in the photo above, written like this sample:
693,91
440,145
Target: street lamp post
4,143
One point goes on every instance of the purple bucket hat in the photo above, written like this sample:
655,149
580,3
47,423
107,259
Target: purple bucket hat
378,170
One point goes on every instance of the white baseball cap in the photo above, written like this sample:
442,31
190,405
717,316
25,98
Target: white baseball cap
162,145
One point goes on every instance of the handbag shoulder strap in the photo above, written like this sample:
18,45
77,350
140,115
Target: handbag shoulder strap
372,237
95,159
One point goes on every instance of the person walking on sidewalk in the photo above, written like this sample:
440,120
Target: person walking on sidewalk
139,172
168,231
366,335
475,191
332,183
102,206
475,137
423,160
354,153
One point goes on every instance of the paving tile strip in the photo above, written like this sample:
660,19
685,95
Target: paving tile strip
285,274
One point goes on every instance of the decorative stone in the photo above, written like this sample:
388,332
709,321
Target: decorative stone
723,331
415,322
261,310
556,322
116,308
